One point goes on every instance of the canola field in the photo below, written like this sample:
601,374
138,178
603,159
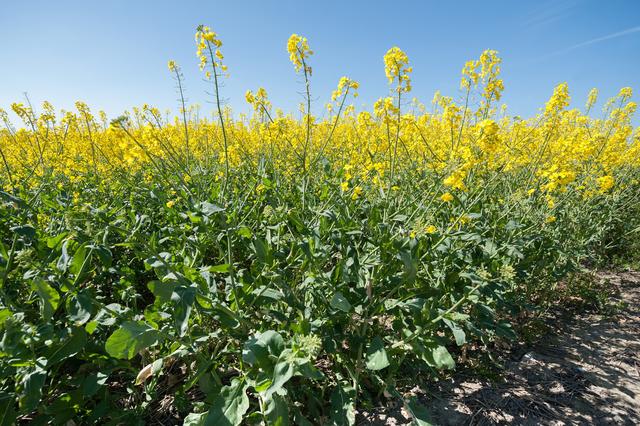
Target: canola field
291,268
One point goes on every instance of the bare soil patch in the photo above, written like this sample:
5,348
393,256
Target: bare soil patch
587,371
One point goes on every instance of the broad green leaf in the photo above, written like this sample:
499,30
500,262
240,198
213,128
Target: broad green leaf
69,346
245,232
208,209
78,261
339,302
260,349
277,412
64,259
376,355
49,298
104,254
26,231
262,251
282,372
230,405
419,412
131,338
225,267
184,298
442,358
343,407
53,242
32,384
80,307
458,333
162,290
194,419
7,409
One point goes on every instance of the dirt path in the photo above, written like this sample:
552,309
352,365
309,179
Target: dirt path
588,373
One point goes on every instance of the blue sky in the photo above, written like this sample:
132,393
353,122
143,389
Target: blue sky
113,54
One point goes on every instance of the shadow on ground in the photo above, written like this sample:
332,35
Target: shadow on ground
588,373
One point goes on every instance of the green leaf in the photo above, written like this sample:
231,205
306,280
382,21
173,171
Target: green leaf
419,412
376,355
26,231
32,384
442,358
104,254
343,407
262,251
79,257
7,409
277,412
162,290
245,232
230,405
131,338
339,302
258,350
458,333
53,242
225,267
282,372
49,298
69,347
184,298
80,308
194,419
208,209
64,259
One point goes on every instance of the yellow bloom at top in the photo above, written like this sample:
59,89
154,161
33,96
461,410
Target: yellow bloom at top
344,85
446,197
357,191
205,38
171,65
396,68
298,48
592,98
558,101
606,183
456,180
431,229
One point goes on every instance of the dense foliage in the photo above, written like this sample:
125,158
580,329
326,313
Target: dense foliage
272,269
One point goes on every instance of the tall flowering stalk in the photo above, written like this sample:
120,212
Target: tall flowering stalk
175,69
397,69
299,51
209,53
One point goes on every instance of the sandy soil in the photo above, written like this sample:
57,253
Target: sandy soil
586,372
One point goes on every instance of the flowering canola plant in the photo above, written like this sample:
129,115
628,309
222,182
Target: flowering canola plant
291,266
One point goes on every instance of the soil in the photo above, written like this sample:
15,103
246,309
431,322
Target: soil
586,371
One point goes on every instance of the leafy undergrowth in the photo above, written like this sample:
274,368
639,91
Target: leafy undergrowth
276,270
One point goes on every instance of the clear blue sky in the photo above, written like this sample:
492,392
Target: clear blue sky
113,54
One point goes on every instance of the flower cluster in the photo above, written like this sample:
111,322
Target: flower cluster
397,69
298,48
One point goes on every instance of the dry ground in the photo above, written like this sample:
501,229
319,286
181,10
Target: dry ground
587,372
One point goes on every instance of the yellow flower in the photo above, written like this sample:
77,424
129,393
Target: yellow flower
298,48
431,229
446,197
550,219
171,203
606,183
344,186
172,66
357,191
396,68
